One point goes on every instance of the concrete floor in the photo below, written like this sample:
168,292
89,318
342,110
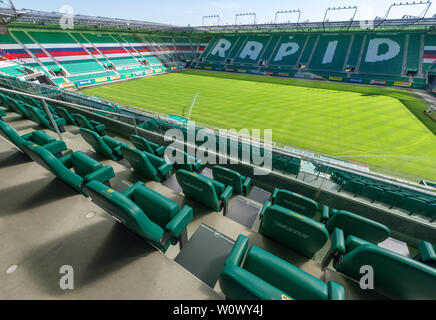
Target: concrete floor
44,224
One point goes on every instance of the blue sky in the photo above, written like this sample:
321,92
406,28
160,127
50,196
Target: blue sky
184,12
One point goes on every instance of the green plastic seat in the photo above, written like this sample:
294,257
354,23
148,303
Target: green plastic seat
106,146
211,193
62,112
371,192
2,114
395,276
293,230
36,137
264,276
150,125
42,118
391,198
232,178
353,186
89,124
146,164
75,169
184,161
430,211
412,204
295,202
143,144
426,254
147,213
353,224
18,107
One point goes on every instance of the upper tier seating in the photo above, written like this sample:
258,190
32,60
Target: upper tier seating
146,164
35,137
143,144
89,124
264,276
75,169
106,146
293,230
232,178
353,224
295,202
81,66
62,112
213,194
396,276
147,213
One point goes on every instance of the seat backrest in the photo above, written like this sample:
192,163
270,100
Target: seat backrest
124,210
396,276
36,115
353,224
157,207
84,165
96,142
140,162
141,143
10,134
41,138
296,202
65,114
82,121
228,177
197,187
293,230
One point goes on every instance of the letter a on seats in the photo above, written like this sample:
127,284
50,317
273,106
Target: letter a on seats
372,55
221,47
252,50
286,49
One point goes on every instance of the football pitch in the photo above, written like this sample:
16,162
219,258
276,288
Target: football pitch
381,127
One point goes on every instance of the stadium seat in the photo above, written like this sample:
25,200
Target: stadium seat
75,169
105,146
43,120
62,112
396,276
263,276
89,124
353,224
412,204
354,187
18,107
426,254
150,125
143,144
146,164
293,230
294,202
232,178
371,192
36,137
187,163
211,193
391,198
2,114
144,211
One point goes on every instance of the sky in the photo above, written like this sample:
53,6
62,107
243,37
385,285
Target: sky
190,12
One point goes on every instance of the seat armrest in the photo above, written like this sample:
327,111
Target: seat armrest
56,146
336,291
325,214
227,194
66,160
238,251
180,221
128,192
165,168
246,185
111,142
160,151
338,241
273,196
426,251
265,206
102,175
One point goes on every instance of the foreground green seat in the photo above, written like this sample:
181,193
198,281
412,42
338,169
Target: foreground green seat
184,161
295,202
211,193
353,224
412,204
293,230
147,213
106,146
146,164
263,276
18,107
395,276
62,112
143,144
232,178
42,118
426,254
89,124
75,169
36,137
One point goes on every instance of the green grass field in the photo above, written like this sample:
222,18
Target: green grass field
381,127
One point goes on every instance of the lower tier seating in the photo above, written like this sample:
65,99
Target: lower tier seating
83,122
